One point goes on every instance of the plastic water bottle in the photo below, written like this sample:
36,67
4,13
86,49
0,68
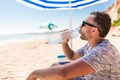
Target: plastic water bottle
61,36
62,59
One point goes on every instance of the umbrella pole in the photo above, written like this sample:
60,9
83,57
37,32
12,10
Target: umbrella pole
70,18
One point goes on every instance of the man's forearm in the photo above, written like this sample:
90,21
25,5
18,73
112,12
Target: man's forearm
51,73
67,51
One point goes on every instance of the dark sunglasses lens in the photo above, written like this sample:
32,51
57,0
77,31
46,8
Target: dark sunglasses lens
83,23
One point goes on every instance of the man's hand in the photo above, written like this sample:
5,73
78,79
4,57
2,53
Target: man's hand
32,76
36,75
66,38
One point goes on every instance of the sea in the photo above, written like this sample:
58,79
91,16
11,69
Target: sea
19,36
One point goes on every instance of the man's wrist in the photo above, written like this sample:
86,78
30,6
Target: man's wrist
64,43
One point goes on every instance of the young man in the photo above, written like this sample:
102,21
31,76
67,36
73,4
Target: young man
97,60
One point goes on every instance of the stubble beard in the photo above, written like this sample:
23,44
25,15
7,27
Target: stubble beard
83,37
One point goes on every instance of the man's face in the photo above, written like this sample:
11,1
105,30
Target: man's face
87,27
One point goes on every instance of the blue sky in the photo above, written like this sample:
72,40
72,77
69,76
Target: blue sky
18,18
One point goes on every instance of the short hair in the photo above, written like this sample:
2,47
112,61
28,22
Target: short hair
103,21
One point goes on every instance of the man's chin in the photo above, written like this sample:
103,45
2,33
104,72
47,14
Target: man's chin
83,38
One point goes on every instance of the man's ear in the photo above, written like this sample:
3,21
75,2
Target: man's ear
94,29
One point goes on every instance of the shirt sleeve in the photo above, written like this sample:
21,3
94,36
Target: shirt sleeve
99,58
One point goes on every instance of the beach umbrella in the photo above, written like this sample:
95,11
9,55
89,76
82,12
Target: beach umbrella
60,4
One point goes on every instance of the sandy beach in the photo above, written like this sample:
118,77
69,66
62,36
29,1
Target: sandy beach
18,58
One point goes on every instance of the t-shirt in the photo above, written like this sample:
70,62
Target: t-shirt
104,58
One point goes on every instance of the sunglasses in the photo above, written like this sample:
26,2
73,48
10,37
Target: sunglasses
89,24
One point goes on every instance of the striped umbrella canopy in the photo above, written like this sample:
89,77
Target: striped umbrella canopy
60,4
